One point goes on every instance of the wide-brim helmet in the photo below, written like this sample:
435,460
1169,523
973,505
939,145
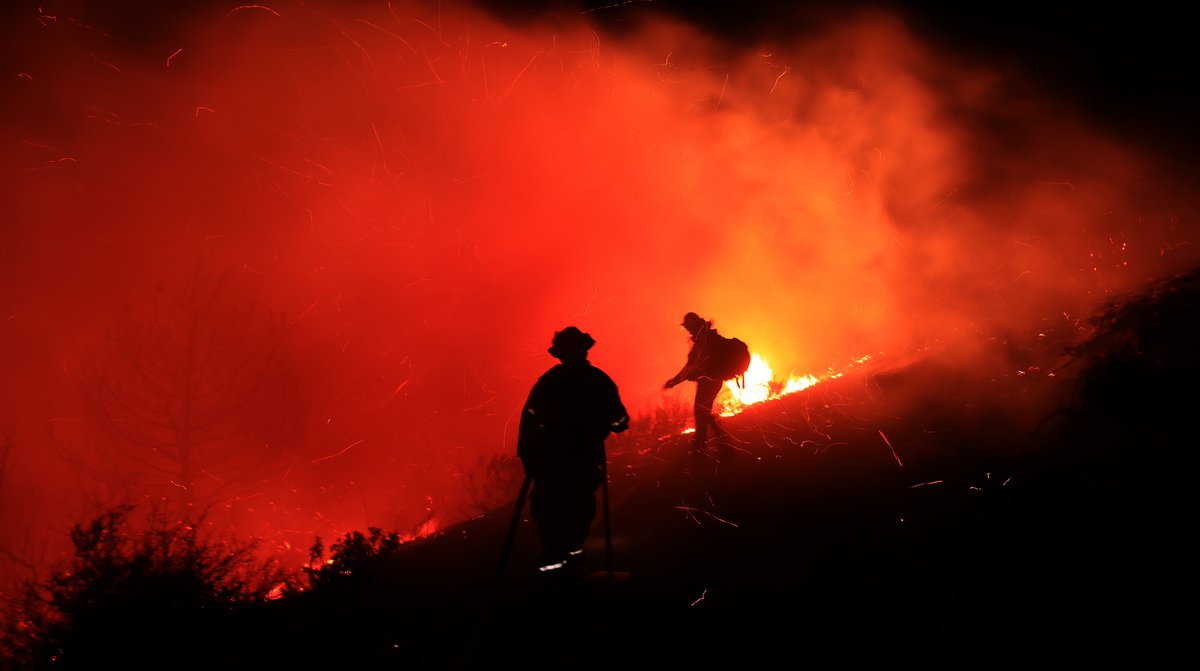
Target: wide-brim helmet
570,341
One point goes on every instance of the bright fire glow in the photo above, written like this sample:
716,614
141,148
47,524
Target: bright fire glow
379,179
760,384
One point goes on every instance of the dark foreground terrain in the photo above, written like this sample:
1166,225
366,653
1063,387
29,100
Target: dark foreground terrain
915,512
1031,509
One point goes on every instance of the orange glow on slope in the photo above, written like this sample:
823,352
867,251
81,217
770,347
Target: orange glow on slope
759,384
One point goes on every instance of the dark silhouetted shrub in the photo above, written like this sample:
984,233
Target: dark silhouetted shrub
352,560
162,596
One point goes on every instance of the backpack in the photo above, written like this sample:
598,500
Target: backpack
730,358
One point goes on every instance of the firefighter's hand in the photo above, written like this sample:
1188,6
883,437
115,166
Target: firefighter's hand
619,425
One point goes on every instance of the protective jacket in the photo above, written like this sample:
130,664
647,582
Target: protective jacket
571,410
699,357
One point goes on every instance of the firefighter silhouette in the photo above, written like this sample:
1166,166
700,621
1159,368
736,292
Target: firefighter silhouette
705,340
570,412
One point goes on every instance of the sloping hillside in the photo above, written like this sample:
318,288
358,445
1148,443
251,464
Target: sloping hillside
1025,504
915,511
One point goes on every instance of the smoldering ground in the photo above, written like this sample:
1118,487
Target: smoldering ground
414,196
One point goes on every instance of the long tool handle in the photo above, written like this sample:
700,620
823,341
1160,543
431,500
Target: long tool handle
512,529
607,522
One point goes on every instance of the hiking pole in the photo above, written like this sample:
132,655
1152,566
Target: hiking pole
512,529
607,520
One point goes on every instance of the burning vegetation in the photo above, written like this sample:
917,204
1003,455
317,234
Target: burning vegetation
290,268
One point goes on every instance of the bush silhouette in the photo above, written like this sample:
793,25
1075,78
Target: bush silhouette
157,597
352,560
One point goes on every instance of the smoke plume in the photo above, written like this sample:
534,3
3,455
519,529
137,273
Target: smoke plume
419,194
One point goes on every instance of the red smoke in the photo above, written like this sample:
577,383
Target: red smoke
422,194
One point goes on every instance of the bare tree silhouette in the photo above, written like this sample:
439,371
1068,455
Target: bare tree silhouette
197,397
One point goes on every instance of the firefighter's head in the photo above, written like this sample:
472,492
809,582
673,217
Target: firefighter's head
694,322
571,344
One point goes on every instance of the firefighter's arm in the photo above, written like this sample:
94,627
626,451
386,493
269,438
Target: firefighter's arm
529,437
685,373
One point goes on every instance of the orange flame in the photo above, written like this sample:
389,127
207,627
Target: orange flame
759,384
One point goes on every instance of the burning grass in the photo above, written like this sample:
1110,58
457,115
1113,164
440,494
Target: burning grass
760,383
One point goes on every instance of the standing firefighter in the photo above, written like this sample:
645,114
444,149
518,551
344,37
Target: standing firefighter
570,412
712,359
